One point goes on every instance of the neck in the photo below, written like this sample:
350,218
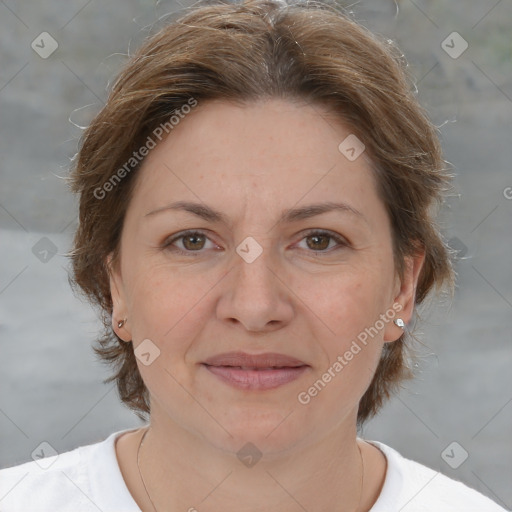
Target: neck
184,472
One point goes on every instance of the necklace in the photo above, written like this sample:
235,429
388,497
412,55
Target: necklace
140,473
154,508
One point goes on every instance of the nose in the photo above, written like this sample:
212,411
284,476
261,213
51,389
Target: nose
255,295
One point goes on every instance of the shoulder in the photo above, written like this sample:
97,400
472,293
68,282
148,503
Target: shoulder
83,479
47,483
412,487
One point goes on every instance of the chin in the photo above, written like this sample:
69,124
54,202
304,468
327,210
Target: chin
269,431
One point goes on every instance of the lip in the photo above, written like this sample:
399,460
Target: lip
255,371
266,360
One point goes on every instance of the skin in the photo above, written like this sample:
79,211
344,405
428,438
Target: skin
307,298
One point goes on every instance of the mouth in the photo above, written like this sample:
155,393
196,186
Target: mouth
255,371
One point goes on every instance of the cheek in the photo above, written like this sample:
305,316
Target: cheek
344,302
346,309
168,308
165,302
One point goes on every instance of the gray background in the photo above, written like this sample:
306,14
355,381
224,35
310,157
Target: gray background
51,385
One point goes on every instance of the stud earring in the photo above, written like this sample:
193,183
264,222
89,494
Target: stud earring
121,323
399,322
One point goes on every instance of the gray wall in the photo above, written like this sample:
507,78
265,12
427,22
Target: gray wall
50,384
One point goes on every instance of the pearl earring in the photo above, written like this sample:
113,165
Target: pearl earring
121,323
399,322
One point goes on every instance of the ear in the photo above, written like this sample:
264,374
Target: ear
119,309
405,293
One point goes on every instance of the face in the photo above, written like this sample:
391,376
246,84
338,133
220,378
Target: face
256,271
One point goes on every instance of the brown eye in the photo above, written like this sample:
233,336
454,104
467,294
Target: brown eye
318,242
188,242
321,242
193,242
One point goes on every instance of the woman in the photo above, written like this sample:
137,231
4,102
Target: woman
257,203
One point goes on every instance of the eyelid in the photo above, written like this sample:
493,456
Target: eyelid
182,234
339,239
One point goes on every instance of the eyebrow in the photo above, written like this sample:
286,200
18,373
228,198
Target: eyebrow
287,216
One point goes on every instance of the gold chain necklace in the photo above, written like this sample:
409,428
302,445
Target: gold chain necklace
154,508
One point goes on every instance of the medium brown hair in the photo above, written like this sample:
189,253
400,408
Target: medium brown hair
248,51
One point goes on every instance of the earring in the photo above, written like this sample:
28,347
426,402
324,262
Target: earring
399,322
121,323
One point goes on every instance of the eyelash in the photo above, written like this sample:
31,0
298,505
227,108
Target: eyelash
168,243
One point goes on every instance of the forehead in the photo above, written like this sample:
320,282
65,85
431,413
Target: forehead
267,152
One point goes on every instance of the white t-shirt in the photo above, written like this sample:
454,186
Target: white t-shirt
89,479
